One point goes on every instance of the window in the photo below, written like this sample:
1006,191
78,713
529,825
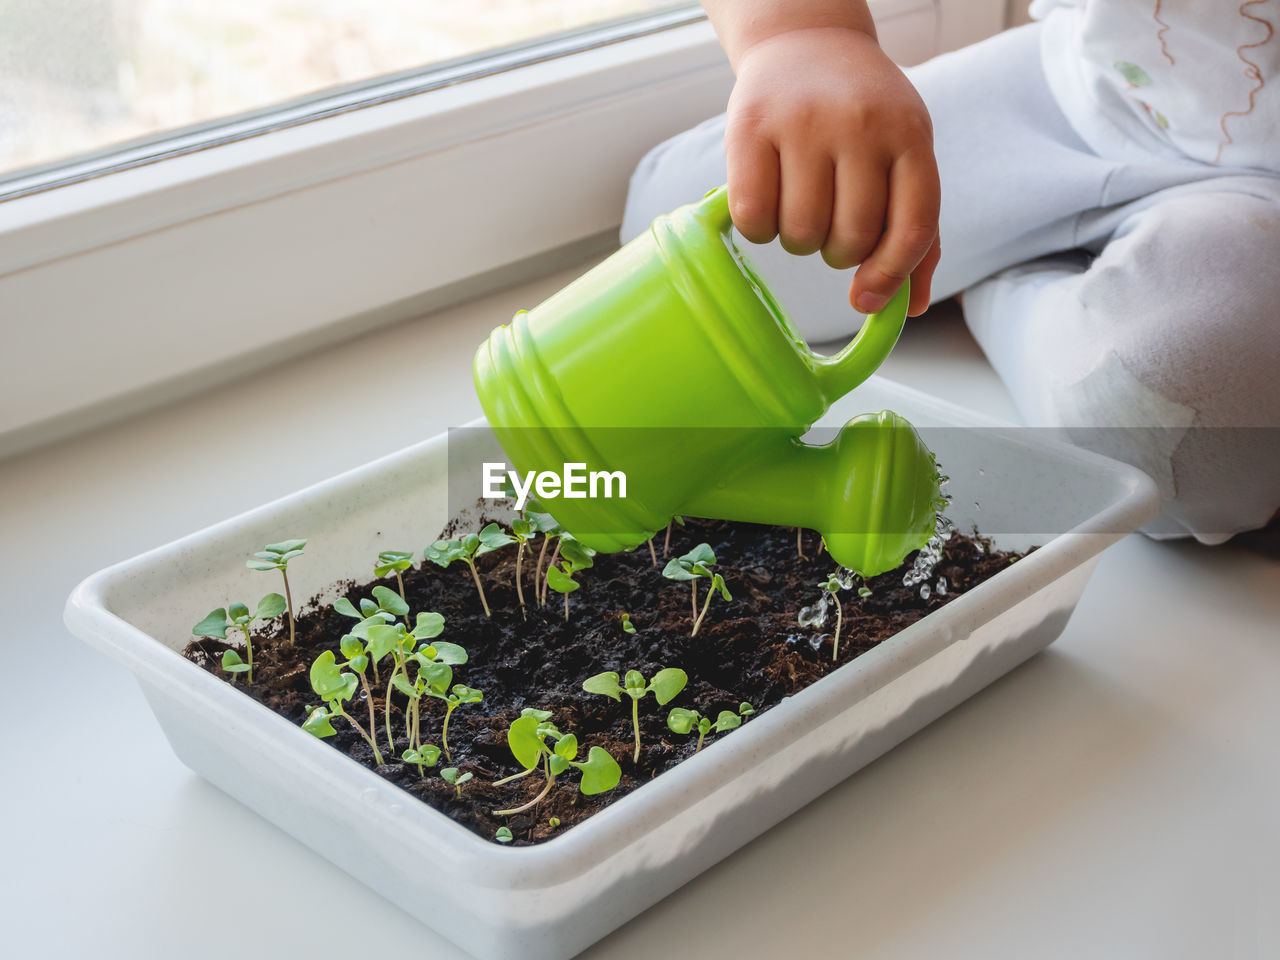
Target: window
217,248
82,77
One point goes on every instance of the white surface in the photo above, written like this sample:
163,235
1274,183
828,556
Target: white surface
551,901
1115,797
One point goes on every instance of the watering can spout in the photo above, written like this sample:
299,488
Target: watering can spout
872,492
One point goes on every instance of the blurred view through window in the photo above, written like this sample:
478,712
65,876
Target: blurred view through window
78,76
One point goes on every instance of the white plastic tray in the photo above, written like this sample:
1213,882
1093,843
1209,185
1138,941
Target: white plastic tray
549,902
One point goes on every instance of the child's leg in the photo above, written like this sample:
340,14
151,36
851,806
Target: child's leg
1163,351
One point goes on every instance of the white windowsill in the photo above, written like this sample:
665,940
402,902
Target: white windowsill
1115,797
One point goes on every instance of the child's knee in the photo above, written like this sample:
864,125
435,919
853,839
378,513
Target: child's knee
675,172
1188,298
1181,313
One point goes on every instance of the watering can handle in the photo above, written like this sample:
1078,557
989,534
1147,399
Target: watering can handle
860,358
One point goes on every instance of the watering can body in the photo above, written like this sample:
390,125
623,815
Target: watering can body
672,363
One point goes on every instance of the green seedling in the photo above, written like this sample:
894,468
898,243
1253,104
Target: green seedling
385,606
666,540
426,755
553,823
238,615
276,556
394,561
335,684
451,775
459,695
833,586
534,520
664,686
627,625
524,530
444,552
535,741
503,835
692,566
550,531
575,557
683,721
434,661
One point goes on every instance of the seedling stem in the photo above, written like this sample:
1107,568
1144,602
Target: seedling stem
276,556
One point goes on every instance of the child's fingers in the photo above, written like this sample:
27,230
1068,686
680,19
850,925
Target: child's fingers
922,280
753,183
910,230
804,204
858,216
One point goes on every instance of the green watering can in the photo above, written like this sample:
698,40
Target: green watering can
672,363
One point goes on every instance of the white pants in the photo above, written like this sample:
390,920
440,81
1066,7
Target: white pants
1136,305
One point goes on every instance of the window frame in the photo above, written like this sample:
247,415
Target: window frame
172,275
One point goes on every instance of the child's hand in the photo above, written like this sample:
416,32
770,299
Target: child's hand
830,146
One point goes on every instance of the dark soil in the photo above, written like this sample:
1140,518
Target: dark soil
749,649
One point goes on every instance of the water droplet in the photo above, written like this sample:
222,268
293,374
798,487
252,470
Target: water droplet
816,641
981,472
924,592
942,586
369,795
978,548
927,558
813,616
394,809
845,577
977,505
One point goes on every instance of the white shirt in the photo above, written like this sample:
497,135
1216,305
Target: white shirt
1195,79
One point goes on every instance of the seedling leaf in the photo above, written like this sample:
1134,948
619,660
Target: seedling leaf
728,720
329,681
491,538
269,607
604,683
560,581
390,601
667,683
680,720
450,653
214,625
317,723
600,772
429,625
350,647
522,738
